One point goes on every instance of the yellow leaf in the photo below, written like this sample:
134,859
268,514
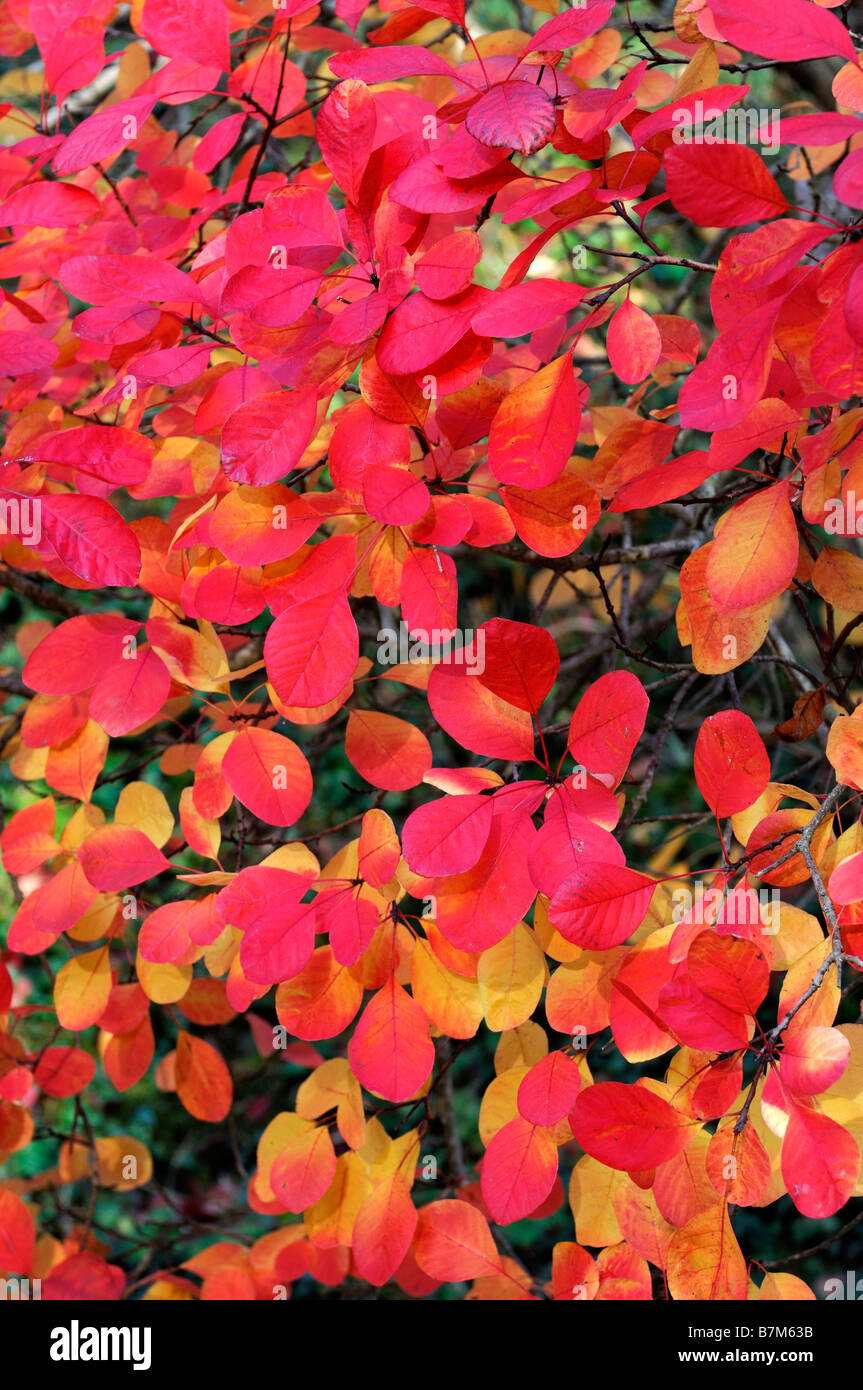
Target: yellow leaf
820,1009
333,1086
203,835
221,953
784,1288
81,989
294,856
551,941
398,1155
797,933
521,1046
511,977
499,1104
278,1134
452,1002
592,1190
162,982
97,921
124,1162
195,659
84,821
701,71
145,808
331,1220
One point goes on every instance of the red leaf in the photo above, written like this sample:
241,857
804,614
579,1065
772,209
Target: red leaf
571,27
218,141
848,180
119,456
17,1234
446,269
389,62
846,881
345,132
607,724
117,279
526,307
820,128
383,1230
130,693
476,718
118,857
265,437
84,1278
634,343
732,971
64,1071
102,134
429,592
203,1081
453,1241
91,539
198,29
665,483
447,836
520,662
820,1162
302,1171
515,115
350,920
77,653
697,1020
311,650
421,330
389,752
798,30
721,185
600,905
549,1090
694,105
730,761
518,1170
269,775
813,1058
48,204
755,552
22,353
629,1127
728,384
395,495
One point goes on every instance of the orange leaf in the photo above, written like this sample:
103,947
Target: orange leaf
203,1081
536,426
383,1230
453,1241
388,752
391,1053
705,1261
755,552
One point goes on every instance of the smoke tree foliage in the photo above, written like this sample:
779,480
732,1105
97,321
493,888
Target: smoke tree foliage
431,729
